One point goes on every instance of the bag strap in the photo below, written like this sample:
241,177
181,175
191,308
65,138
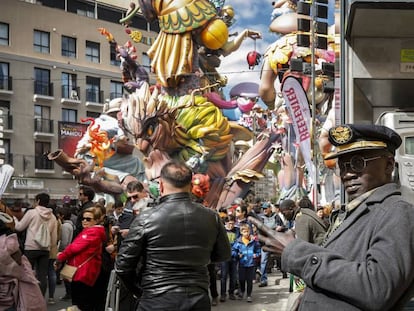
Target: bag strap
86,260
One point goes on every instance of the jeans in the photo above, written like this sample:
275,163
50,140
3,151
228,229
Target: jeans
246,277
213,279
40,263
228,270
263,269
177,301
51,278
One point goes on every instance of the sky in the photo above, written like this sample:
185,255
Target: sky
255,15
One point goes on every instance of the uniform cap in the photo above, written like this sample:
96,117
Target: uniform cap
349,138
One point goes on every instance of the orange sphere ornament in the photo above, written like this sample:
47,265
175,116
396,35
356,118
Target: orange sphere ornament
215,34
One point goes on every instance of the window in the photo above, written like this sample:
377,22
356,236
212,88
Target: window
41,160
69,115
116,89
409,145
69,86
43,123
5,81
92,114
86,12
114,60
6,115
8,157
4,34
42,82
92,51
68,47
41,41
146,62
93,89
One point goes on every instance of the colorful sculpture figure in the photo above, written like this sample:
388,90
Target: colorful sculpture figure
176,120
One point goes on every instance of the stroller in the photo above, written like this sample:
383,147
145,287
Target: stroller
118,298
112,293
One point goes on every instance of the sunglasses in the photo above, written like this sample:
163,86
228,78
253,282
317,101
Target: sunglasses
238,210
87,219
135,197
80,193
357,163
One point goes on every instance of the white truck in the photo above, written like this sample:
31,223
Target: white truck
403,123
377,74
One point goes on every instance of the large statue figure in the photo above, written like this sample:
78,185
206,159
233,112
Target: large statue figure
175,120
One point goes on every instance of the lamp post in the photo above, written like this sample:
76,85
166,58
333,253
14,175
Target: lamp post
312,32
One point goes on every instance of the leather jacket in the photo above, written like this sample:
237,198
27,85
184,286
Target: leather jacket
174,241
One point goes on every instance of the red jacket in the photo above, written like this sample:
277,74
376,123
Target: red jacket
86,244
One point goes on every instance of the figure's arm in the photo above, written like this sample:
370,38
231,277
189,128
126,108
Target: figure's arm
267,90
233,45
324,145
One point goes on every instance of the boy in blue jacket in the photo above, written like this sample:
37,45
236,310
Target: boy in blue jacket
246,249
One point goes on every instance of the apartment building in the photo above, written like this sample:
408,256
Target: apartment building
55,66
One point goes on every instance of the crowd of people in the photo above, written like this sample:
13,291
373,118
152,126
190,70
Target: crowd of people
172,252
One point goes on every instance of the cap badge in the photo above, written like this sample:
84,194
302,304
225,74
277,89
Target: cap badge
341,134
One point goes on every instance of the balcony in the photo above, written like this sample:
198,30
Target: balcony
6,85
94,98
43,91
114,95
70,95
43,128
7,122
43,165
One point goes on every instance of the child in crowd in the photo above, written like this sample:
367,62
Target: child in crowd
229,268
246,249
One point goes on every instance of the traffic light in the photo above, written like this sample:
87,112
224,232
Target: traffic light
315,14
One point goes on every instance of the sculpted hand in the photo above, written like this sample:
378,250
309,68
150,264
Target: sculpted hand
274,242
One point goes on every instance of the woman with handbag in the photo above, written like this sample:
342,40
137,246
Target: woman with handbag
85,254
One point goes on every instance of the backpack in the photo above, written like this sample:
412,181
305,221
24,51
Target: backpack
42,236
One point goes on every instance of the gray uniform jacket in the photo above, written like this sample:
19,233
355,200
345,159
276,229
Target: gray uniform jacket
309,227
367,263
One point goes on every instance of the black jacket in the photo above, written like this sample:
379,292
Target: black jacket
176,240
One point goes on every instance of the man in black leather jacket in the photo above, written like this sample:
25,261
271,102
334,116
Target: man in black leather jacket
175,241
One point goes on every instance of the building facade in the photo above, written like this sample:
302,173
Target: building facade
55,66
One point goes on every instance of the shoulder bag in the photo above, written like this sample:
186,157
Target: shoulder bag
69,271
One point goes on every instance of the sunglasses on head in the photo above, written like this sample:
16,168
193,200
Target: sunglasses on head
135,197
87,219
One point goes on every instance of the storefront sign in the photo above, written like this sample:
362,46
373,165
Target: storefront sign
27,183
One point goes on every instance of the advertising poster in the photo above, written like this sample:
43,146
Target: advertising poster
69,135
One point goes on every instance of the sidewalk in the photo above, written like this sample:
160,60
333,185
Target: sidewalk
270,298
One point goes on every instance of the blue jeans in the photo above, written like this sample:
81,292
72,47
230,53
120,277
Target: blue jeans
228,270
263,263
51,278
